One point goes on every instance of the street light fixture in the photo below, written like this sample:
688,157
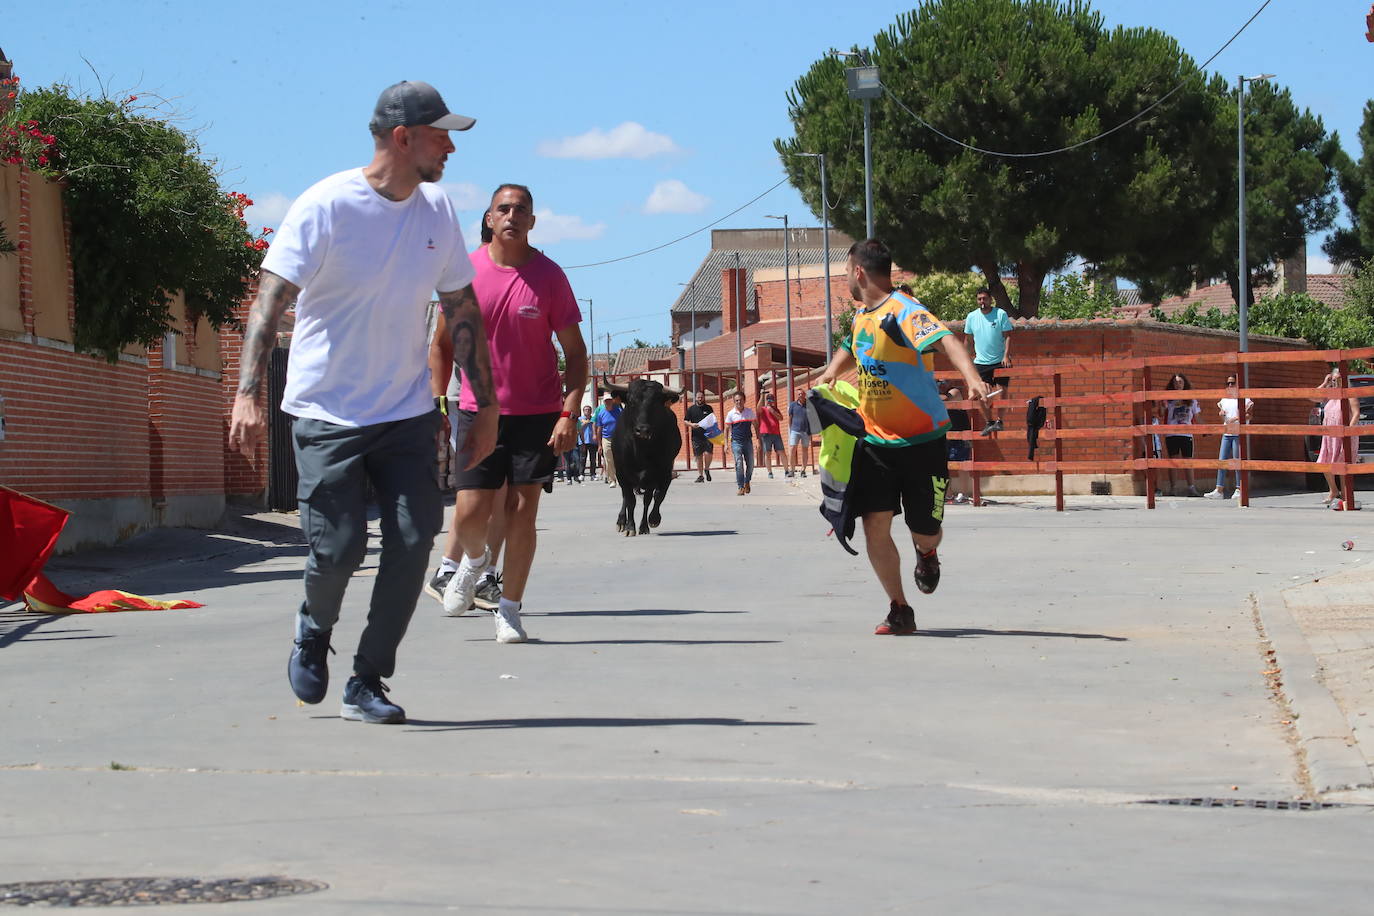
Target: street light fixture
1242,299
591,335
863,83
786,291
825,236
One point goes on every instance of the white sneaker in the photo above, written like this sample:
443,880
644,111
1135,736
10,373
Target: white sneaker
462,586
508,627
1214,494
1235,494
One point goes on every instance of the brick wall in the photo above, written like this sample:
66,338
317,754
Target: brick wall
241,478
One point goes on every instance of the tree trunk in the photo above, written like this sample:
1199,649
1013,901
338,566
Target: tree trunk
993,278
1030,278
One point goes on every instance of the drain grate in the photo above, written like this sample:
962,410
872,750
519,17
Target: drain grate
151,891
1266,804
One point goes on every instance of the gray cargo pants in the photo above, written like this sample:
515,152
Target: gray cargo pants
335,463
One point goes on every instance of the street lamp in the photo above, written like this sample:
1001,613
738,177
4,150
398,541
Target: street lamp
786,291
693,305
825,236
609,335
591,335
862,82
1242,299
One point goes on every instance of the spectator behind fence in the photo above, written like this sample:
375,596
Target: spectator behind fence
799,433
1180,412
1229,408
770,436
1331,451
960,481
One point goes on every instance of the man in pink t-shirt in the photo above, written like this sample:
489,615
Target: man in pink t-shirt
525,301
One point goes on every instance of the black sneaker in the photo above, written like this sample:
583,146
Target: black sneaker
436,585
992,427
488,594
308,667
708,476
927,572
364,700
900,621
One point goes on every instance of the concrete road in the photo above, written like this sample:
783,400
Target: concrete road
703,722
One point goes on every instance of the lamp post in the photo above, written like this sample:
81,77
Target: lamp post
693,313
863,84
739,319
591,335
825,236
609,335
1243,295
786,291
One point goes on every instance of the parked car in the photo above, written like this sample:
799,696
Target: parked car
1366,451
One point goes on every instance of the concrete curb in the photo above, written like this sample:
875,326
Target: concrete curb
1335,761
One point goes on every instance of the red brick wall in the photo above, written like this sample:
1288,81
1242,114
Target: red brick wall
185,431
808,297
77,427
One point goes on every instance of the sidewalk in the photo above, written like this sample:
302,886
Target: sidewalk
703,721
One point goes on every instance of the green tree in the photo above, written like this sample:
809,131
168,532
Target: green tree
1019,77
1355,244
1299,316
1073,295
148,216
1289,175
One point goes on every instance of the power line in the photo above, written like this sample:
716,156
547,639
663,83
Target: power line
682,237
1064,149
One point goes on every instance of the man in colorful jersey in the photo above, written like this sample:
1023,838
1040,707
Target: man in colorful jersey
526,302
902,466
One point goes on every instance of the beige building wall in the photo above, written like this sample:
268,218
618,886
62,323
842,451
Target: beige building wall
49,239
11,319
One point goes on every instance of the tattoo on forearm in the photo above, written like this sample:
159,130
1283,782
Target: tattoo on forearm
470,353
274,296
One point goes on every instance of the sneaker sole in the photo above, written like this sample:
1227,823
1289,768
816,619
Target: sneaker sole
485,604
433,593
358,714
880,630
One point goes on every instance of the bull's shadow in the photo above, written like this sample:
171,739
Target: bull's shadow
718,532
588,722
634,612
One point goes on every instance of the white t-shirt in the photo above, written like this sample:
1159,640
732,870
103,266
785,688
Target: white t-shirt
1180,413
1229,414
367,268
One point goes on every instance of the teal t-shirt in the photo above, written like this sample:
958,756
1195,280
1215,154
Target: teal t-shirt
988,345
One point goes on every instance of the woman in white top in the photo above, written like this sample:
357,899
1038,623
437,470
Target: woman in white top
1180,412
1229,408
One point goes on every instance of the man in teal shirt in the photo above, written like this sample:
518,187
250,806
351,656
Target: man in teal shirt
987,327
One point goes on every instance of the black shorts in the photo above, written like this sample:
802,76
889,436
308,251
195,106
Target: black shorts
1179,446
701,446
988,374
522,454
908,480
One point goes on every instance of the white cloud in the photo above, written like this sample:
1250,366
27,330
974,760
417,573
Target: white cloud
627,141
268,210
550,227
1319,263
672,196
465,195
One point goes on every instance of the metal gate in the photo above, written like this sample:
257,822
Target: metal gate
281,459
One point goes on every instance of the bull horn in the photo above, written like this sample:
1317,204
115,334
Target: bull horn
614,386
675,392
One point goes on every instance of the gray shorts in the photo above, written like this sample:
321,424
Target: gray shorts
798,437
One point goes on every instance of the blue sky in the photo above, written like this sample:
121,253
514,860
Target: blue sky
633,122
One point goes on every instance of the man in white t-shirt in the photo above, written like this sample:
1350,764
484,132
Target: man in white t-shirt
361,253
526,303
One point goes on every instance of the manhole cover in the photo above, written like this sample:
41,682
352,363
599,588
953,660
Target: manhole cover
151,891
1267,804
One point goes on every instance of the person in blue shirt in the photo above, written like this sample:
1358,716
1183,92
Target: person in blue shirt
586,441
986,329
606,416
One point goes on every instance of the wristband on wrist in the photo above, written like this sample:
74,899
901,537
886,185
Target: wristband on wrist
565,414
441,404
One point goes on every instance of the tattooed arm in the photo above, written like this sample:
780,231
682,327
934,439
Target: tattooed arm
248,422
467,341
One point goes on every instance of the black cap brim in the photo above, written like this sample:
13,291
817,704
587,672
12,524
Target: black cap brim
453,121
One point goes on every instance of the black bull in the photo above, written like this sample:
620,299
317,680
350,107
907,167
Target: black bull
645,444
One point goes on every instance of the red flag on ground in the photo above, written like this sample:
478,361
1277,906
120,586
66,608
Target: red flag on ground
42,596
28,533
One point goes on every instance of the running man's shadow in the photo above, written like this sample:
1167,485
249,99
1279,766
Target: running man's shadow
587,722
977,632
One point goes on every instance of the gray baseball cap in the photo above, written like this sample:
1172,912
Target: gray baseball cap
410,104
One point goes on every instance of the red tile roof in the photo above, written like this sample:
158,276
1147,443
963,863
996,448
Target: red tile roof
1328,289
